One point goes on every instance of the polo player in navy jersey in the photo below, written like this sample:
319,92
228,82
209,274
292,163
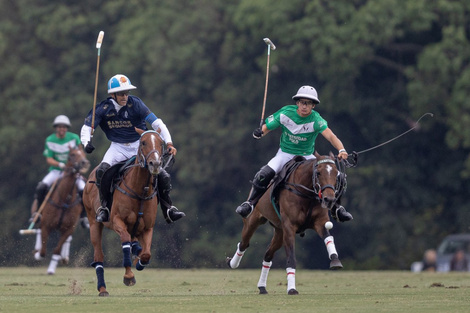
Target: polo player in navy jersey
117,116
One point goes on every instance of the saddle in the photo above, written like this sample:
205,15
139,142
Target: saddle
278,182
112,177
115,174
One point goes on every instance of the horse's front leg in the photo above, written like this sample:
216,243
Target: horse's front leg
120,227
276,244
96,233
61,251
145,254
322,228
250,225
41,253
291,264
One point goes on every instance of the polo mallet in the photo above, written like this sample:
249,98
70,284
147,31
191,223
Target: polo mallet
99,41
270,45
30,230
354,155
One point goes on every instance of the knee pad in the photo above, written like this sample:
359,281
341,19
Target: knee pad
164,180
100,172
264,176
41,189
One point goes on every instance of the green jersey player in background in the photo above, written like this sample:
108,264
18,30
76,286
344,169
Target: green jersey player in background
56,151
300,126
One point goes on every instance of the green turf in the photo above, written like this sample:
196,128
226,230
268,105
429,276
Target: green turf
165,290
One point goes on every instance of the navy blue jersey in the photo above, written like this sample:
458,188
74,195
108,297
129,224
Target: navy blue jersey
119,126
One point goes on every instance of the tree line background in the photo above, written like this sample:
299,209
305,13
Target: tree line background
200,65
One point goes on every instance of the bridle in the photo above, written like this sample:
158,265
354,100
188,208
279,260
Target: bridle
141,158
317,190
76,165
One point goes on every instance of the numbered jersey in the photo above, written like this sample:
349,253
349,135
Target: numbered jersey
298,133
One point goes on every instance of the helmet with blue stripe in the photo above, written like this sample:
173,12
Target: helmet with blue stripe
119,83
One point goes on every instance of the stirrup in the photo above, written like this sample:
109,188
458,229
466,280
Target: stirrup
102,215
245,209
341,215
173,214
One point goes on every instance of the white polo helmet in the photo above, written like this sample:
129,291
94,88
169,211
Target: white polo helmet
307,92
119,83
61,120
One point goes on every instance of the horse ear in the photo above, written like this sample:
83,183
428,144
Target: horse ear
317,155
138,130
332,155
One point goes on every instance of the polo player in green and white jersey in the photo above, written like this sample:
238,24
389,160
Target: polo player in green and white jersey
56,151
300,126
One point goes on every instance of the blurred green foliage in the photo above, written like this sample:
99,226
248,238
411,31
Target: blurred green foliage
200,66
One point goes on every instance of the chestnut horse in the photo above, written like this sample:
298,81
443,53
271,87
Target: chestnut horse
62,210
304,200
133,209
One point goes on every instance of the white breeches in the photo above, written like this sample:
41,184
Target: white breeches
118,152
281,158
53,175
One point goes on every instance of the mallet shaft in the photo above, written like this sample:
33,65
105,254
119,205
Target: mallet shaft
270,45
99,41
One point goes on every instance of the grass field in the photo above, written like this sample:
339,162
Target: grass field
204,290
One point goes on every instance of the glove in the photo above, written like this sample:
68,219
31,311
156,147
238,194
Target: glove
257,133
89,147
61,165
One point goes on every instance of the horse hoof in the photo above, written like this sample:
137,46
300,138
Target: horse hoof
104,294
37,256
228,259
335,263
262,291
129,281
292,292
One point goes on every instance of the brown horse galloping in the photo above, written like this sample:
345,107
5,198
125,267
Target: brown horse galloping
62,210
133,210
304,200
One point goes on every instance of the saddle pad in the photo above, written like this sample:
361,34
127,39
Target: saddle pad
281,178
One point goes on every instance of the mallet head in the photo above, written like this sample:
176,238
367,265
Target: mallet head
99,40
269,43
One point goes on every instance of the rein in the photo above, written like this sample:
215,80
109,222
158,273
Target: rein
353,155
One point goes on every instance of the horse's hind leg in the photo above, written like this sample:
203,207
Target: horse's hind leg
276,244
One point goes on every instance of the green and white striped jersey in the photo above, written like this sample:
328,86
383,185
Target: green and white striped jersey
298,133
58,148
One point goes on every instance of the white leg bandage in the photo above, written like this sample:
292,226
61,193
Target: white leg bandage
38,244
53,265
264,274
65,251
290,278
237,257
330,246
